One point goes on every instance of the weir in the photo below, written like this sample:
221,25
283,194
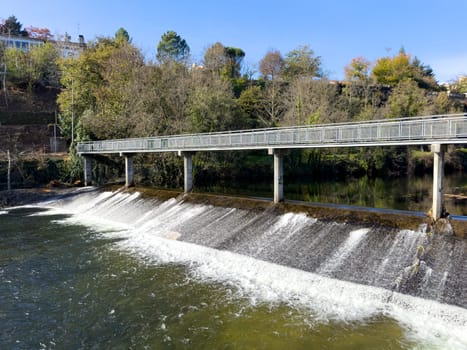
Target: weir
369,255
436,130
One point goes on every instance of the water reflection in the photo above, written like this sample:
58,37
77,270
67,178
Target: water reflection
410,193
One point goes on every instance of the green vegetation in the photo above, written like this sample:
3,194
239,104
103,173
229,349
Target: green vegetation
31,172
172,48
111,91
33,68
11,26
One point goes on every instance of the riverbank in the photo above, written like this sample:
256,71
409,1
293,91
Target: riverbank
27,196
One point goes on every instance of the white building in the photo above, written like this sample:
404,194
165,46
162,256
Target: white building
20,42
66,47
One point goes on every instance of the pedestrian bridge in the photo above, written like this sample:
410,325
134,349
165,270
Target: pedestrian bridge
435,130
440,129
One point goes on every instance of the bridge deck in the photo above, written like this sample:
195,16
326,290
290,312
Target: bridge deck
440,129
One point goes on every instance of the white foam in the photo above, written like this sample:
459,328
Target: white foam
343,252
162,221
98,224
3,212
51,211
286,226
429,322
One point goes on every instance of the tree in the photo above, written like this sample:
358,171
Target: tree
463,84
443,104
97,82
225,61
301,63
16,64
212,106
312,101
459,85
214,58
122,35
392,71
33,67
299,107
160,99
113,113
358,70
11,26
271,68
39,33
233,65
300,67
272,65
172,48
424,76
272,104
249,103
406,100
44,68
357,93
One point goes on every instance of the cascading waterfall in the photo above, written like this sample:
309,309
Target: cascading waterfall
343,252
339,270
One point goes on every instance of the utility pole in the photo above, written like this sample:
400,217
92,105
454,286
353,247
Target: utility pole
55,133
4,83
4,72
9,170
72,112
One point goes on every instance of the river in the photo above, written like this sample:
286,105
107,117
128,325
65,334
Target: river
115,271
404,193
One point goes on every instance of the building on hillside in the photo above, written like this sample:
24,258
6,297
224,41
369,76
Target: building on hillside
20,42
66,47
70,48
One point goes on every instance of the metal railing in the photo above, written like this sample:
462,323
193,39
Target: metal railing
407,131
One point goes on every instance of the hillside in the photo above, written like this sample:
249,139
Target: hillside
39,99
28,138
27,121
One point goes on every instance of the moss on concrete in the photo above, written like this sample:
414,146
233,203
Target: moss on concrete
322,212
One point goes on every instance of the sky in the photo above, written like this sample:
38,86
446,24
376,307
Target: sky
336,30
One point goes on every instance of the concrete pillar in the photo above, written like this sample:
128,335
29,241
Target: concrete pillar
187,170
278,173
438,177
129,171
87,165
